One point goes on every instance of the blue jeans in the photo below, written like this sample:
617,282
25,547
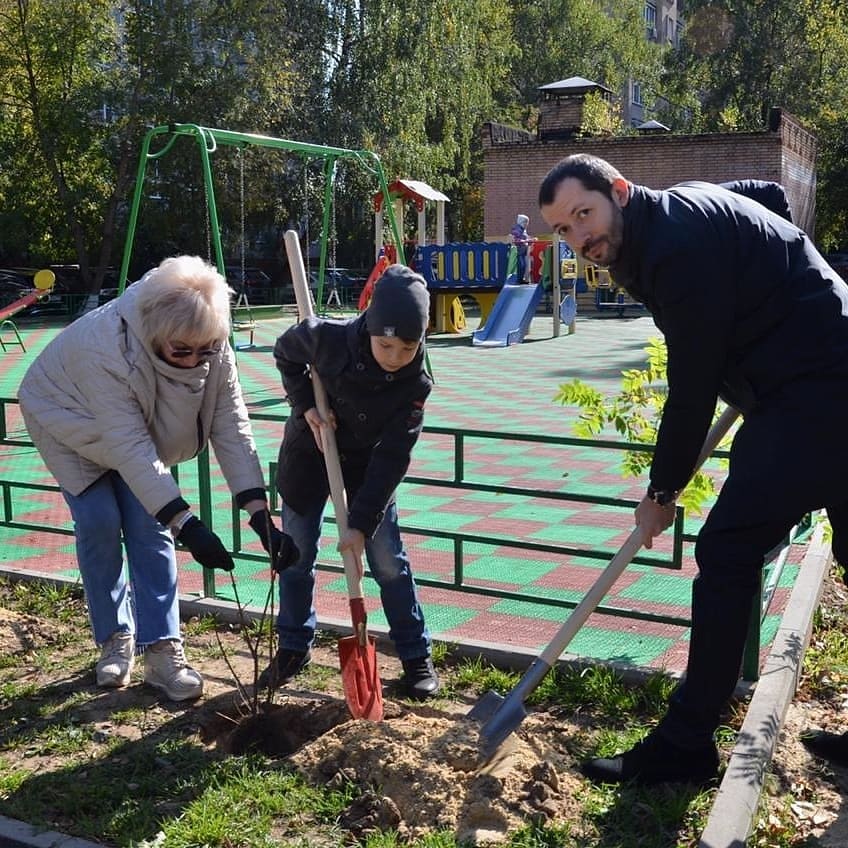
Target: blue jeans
389,566
146,605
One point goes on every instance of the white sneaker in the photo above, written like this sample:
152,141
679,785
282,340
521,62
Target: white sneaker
166,668
117,658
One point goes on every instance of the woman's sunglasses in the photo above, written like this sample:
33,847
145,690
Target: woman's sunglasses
186,352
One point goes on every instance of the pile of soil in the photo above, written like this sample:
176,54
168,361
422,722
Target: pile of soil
417,770
423,772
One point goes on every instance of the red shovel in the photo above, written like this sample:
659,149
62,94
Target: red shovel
357,653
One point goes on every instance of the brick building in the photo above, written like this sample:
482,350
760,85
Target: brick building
516,161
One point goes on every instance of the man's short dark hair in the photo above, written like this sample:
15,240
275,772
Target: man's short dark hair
594,173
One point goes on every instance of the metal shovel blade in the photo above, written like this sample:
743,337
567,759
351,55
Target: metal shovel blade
501,716
486,707
360,678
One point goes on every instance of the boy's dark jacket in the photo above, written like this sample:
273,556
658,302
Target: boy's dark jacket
748,307
379,416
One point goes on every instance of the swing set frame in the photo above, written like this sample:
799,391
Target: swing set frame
208,141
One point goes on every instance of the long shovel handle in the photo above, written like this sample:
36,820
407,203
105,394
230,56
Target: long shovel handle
626,553
352,565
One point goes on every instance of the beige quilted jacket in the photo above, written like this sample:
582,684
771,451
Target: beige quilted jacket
98,398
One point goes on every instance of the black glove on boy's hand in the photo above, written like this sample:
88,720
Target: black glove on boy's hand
283,550
204,545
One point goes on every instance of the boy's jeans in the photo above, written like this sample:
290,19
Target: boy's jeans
389,566
150,608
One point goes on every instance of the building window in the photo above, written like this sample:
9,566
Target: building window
637,93
651,20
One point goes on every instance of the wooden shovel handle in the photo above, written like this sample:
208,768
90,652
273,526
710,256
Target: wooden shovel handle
352,564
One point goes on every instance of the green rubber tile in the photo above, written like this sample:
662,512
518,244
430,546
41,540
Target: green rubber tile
251,593
447,521
507,570
788,576
491,450
473,472
439,617
574,534
571,595
529,610
469,549
619,646
488,498
414,503
535,512
660,589
569,479
768,629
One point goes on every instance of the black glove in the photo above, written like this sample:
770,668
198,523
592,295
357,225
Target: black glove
204,545
283,550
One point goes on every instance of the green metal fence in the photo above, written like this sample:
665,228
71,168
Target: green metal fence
458,479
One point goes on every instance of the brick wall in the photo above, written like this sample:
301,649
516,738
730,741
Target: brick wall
784,152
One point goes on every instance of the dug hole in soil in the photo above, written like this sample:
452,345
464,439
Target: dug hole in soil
417,771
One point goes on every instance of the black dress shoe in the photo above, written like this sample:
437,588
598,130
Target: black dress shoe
655,760
832,747
285,665
419,678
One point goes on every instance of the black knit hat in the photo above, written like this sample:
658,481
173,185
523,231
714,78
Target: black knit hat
400,305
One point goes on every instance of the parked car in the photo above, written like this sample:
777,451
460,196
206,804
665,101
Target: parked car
255,284
13,286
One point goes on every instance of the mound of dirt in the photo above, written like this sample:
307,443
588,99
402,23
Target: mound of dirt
421,773
20,633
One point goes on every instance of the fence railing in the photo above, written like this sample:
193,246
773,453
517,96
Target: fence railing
459,480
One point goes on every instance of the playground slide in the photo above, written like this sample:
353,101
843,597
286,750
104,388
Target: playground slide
510,317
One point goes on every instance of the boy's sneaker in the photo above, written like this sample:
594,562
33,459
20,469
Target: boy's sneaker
166,668
285,665
117,658
656,760
419,678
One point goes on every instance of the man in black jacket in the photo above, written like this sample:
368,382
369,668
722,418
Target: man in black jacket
753,314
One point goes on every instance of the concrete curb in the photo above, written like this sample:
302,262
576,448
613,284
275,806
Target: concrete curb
16,834
735,806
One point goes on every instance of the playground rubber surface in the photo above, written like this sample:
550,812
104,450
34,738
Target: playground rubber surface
507,390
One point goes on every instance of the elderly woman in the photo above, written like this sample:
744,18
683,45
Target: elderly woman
115,400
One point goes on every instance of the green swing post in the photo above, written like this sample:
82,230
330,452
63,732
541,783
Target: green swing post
329,177
209,140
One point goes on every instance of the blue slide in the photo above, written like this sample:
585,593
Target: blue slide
510,317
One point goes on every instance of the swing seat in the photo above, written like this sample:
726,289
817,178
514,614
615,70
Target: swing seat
250,326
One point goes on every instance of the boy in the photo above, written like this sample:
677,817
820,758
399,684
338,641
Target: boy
372,367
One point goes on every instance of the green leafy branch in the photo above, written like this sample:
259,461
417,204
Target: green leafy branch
635,413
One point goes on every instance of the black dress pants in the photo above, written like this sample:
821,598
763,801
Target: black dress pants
789,457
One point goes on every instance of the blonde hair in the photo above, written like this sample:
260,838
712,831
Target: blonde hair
184,298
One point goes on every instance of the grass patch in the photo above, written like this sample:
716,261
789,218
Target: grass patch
161,788
61,602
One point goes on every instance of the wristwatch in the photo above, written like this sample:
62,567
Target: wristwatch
662,497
